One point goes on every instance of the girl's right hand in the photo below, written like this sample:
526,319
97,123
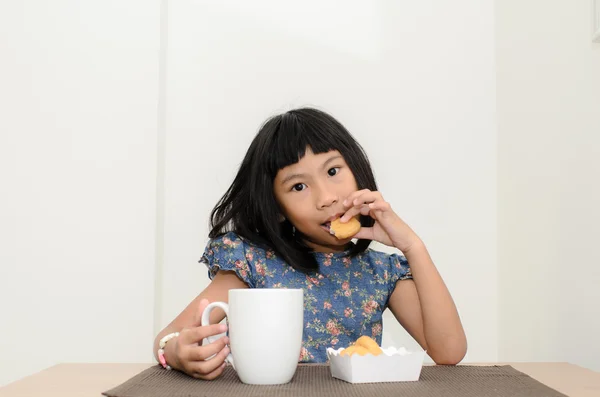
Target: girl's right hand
186,353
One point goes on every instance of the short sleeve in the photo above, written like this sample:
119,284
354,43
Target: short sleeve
399,268
228,252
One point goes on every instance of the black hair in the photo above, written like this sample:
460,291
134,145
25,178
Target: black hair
249,208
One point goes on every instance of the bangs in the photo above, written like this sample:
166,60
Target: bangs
249,207
295,133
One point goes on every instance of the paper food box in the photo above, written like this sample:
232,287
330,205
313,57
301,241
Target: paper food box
392,365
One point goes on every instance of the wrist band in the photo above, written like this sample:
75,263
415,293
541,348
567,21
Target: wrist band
161,349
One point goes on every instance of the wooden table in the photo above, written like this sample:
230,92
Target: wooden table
87,380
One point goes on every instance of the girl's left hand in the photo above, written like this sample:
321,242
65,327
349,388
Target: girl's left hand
388,229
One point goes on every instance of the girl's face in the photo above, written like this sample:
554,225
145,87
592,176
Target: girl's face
310,194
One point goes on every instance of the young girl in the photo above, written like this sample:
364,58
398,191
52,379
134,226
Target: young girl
271,230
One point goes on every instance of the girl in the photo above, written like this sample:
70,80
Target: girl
271,230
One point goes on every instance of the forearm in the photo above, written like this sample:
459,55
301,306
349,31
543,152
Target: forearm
442,328
217,291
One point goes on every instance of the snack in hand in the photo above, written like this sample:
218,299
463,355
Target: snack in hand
344,230
363,345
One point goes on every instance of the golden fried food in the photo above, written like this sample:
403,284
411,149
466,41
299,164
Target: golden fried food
360,350
363,345
344,230
348,351
369,344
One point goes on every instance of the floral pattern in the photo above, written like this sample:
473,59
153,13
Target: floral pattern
342,301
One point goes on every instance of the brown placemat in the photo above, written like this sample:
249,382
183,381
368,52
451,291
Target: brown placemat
315,380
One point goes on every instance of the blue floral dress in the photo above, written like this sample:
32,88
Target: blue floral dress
343,301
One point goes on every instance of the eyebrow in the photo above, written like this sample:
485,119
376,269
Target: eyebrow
293,176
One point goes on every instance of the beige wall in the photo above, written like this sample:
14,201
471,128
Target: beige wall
414,81
78,100
548,182
109,168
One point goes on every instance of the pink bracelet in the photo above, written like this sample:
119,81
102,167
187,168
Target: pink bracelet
161,359
161,350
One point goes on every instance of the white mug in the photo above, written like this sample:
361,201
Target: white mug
265,333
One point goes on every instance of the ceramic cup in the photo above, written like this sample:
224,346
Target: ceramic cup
265,333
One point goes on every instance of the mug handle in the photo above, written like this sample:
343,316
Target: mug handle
206,321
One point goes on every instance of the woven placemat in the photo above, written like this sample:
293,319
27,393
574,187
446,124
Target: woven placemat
315,380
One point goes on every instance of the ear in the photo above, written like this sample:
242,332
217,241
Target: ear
281,218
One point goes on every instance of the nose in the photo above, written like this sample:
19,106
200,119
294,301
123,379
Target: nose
326,197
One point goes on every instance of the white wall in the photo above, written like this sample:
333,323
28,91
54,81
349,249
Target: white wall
78,101
548,173
414,81
108,166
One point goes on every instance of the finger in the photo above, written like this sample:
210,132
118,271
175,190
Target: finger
365,210
365,233
200,353
213,375
351,213
367,197
189,336
363,205
362,209
348,202
198,316
208,366
359,202
379,207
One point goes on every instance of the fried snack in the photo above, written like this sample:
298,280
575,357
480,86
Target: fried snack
344,230
360,350
363,345
348,351
369,344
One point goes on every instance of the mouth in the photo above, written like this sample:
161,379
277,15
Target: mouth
334,217
327,227
327,224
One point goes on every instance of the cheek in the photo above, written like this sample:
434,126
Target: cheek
300,212
289,206
349,183
284,201
353,180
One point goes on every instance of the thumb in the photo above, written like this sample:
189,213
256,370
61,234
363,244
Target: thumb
365,233
198,315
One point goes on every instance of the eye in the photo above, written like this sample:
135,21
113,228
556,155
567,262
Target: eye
333,171
298,187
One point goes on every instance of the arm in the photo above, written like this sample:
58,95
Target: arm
183,353
216,291
424,307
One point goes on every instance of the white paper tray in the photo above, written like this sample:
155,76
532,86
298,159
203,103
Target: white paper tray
394,365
